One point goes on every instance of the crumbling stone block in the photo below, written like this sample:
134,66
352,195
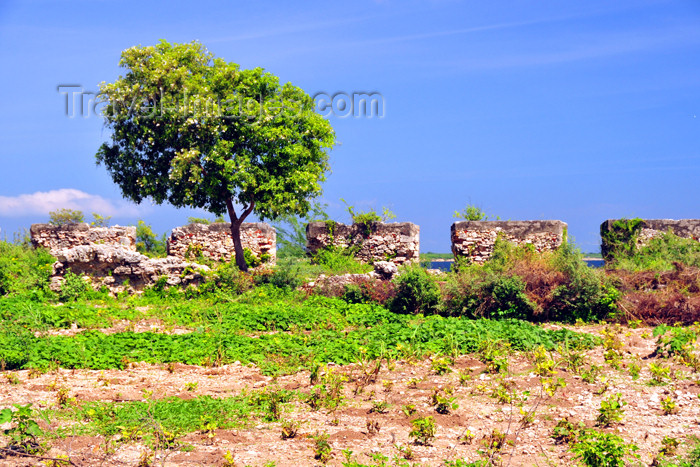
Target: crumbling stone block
475,239
398,242
214,241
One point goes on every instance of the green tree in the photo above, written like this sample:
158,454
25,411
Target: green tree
194,130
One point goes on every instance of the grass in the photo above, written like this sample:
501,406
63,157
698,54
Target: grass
146,419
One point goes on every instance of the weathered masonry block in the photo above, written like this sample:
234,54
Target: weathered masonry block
644,231
398,242
107,255
475,239
214,241
59,237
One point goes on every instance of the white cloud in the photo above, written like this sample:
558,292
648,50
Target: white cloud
42,202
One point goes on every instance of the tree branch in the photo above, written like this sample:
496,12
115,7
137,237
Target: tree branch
11,452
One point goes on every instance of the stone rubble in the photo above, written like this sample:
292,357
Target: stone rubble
121,269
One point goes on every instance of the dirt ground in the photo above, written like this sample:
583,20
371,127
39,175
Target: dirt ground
400,383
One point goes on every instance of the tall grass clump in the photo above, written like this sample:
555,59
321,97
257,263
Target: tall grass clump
517,282
337,260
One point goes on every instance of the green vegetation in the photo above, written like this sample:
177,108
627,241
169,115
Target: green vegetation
598,449
625,251
24,271
368,217
185,155
660,254
519,283
309,332
23,431
148,243
621,239
261,318
472,213
423,431
99,220
416,292
430,256
65,217
337,260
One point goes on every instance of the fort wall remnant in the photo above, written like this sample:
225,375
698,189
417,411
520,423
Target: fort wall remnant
58,237
214,241
474,240
398,242
635,233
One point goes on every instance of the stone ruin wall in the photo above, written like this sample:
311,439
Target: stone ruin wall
59,237
652,228
475,239
398,242
214,241
108,254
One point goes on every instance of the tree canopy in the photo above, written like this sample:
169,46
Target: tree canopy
193,130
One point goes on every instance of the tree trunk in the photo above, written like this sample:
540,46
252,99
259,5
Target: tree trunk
236,223
238,246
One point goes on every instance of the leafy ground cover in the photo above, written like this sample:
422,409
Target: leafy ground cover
632,398
465,368
288,334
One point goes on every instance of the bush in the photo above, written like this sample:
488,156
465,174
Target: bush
147,242
100,220
518,282
73,287
285,275
660,254
226,277
336,260
416,292
597,449
24,270
66,216
369,291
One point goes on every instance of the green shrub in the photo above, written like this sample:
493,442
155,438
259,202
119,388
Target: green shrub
226,277
24,270
285,275
73,287
472,213
621,240
254,261
660,254
508,298
416,291
147,242
336,260
65,217
597,449
520,283
198,220
423,431
100,220
587,295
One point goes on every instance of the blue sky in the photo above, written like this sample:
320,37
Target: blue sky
577,111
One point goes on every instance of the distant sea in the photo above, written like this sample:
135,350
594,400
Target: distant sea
447,265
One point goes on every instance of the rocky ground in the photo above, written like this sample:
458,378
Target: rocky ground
482,398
